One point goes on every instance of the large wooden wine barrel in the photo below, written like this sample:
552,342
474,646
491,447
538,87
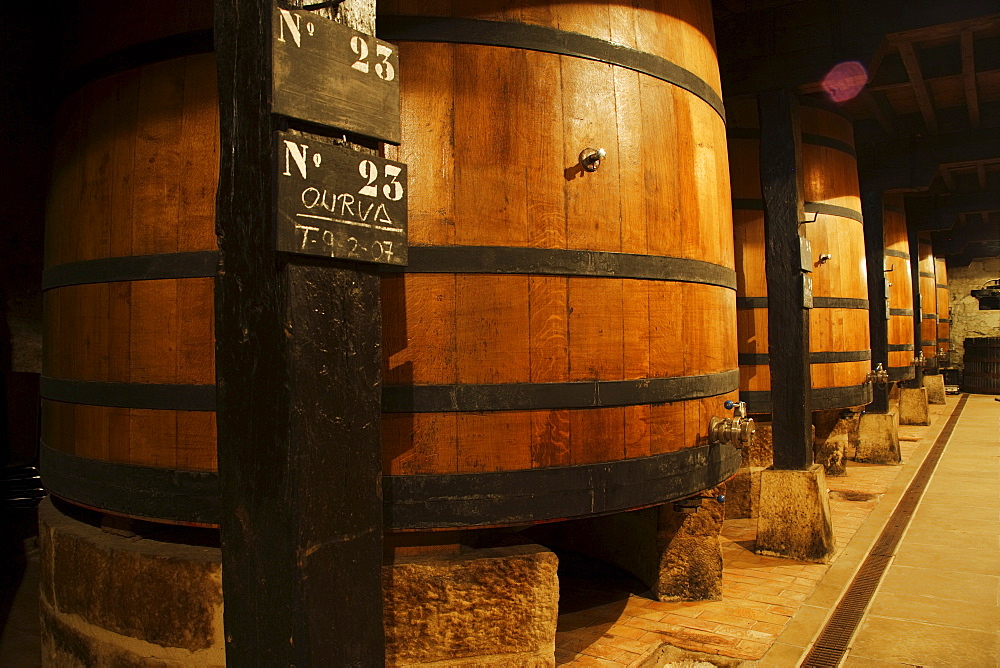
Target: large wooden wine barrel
130,255
839,347
899,275
557,331
981,362
943,311
928,302
556,347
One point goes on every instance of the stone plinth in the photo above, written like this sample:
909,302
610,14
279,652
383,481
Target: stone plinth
743,493
878,439
794,518
678,555
690,554
743,489
110,600
488,607
913,408
833,432
117,599
935,388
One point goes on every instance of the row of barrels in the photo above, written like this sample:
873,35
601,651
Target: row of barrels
556,330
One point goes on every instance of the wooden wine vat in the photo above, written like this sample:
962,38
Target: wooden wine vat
556,347
943,311
838,322
928,302
899,275
555,323
128,381
981,361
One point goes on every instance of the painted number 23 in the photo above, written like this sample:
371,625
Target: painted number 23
393,190
383,68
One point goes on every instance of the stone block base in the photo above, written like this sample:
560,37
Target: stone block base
935,388
913,407
110,600
794,518
488,607
878,439
115,599
677,554
743,493
832,434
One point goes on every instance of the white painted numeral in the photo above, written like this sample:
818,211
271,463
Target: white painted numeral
369,170
360,48
394,189
384,69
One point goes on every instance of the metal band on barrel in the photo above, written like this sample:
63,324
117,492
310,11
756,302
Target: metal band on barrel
417,501
545,39
562,262
554,396
195,264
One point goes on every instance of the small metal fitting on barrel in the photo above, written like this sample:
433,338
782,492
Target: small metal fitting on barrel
736,431
878,375
590,158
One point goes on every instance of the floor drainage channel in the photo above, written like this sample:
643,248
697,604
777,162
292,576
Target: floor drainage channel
830,646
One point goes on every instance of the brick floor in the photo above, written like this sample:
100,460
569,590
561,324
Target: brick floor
759,594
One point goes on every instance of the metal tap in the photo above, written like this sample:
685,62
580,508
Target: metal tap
737,430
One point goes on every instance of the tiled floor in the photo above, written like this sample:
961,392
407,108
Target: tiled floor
939,602
761,595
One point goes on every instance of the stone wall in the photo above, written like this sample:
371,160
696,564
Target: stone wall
966,318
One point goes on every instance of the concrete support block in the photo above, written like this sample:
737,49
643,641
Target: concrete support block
743,493
487,607
935,388
913,408
878,439
794,519
760,450
834,430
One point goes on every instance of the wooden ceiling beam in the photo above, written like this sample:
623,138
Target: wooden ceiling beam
948,178
969,78
885,117
981,174
923,96
912,164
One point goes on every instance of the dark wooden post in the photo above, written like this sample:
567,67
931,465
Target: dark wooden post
789,289
878,305
918,315
298,402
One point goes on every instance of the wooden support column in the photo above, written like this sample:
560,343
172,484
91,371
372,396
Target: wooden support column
914,236
787,286
878,298
298,401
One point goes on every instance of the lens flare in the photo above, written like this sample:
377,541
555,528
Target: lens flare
845,81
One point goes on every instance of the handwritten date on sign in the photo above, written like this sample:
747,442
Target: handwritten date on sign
327,73
337,202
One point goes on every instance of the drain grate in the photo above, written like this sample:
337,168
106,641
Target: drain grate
829,648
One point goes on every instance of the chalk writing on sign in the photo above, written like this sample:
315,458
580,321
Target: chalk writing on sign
327,73
337,202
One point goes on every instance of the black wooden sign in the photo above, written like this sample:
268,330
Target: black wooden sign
327,73
337,202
